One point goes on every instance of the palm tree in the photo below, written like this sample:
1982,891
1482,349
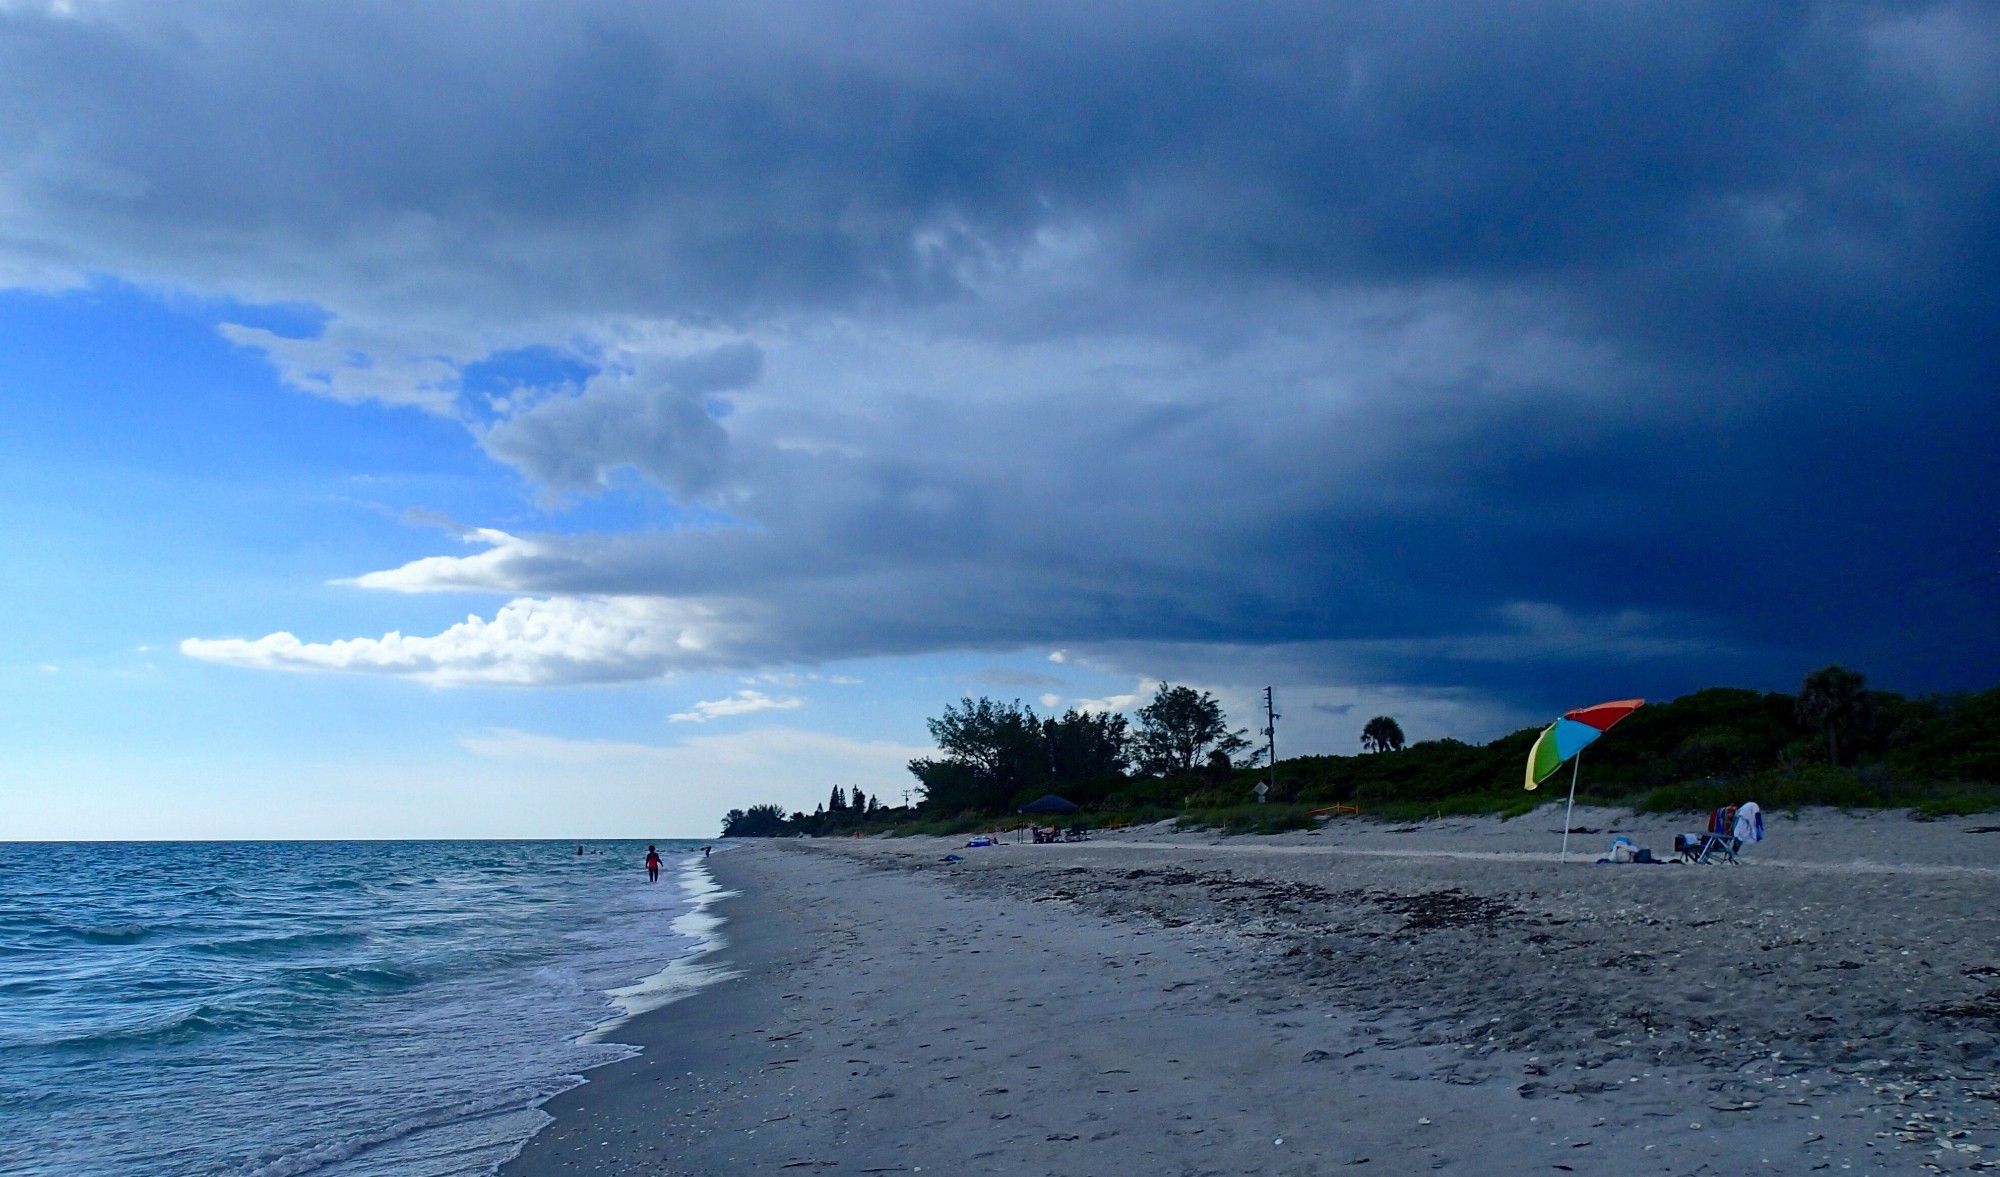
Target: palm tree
1382,734
1835,699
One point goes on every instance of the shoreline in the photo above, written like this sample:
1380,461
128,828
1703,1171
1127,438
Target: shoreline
665,1052
1186,1003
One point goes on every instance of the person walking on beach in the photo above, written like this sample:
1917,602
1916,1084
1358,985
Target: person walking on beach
652,864
705,850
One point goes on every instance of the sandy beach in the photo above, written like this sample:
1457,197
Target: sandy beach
1436,997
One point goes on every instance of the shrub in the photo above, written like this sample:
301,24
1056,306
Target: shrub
1252,819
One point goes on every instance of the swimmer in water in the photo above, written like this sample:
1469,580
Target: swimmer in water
652,864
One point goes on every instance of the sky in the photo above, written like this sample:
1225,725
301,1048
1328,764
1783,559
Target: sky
577,419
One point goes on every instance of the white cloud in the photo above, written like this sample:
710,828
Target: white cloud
794,678
528,642
741,703
1051,700
348,363
485,571
1140,694
1059,655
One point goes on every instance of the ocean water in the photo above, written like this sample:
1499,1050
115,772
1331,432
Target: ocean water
353,1008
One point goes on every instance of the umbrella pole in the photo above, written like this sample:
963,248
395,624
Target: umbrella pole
1576,766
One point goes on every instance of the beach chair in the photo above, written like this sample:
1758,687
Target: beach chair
1705,848
1718,848
1729,830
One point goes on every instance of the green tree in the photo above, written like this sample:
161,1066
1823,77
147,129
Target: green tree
758,821
1083,747
997,745
1180,728
1834,700
1382,734
946,786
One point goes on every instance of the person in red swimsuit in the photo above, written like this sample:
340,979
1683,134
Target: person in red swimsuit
652,864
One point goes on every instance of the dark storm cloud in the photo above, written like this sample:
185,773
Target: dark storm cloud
714,158
1486,344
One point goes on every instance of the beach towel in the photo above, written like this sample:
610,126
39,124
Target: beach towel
1749,823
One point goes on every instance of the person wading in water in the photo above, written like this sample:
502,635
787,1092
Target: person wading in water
652,864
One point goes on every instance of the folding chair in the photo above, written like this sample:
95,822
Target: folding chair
1729,829
1705,848
1719,841
1716,848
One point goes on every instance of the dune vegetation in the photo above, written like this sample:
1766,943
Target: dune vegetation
1834,743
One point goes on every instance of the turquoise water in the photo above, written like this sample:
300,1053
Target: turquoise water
341,1008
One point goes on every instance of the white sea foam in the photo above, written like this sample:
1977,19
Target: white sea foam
688,973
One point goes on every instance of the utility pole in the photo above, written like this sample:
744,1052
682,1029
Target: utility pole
1271,739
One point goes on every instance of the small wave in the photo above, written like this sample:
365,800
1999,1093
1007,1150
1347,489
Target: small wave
22,987
350,979
253,946
336,884
109,933
214,891
680,979
334,1152
177,1026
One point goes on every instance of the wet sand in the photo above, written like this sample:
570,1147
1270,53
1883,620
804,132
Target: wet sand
1409,999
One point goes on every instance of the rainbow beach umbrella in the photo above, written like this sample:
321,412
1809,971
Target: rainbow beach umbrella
1564,739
